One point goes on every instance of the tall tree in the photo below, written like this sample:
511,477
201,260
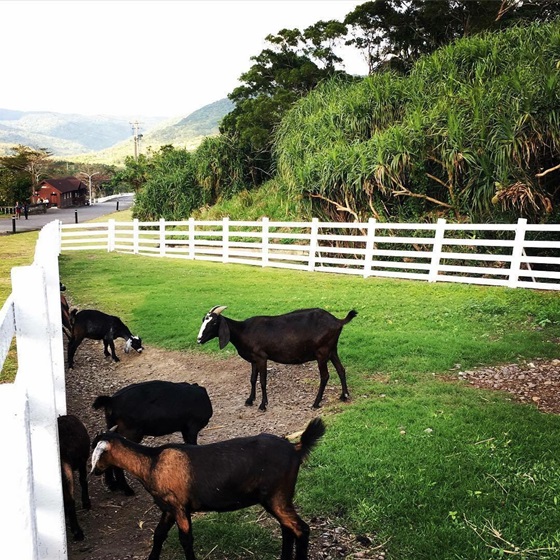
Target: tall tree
288,69
396,32
27,167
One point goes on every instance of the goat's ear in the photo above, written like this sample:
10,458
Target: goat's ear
223,333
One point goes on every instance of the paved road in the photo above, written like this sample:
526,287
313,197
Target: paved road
67,215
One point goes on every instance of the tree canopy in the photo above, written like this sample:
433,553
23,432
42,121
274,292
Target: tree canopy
472,132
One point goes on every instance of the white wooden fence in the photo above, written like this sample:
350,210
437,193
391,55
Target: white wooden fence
32,522
514,255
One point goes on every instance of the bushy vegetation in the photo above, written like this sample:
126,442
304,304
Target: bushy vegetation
466,135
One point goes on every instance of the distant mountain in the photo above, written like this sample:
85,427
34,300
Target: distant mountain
106,139
203,122
64,134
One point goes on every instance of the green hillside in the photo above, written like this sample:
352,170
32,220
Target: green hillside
185,133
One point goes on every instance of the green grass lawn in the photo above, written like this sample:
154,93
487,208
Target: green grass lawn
434,468
431,467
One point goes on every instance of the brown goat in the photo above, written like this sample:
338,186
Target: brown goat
223,476
74,452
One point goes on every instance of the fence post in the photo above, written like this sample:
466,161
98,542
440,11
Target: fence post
517,253
162,237
436,250
313,244
135,236
370,246
46,256
192,233
225,239
264,241
111,236
17,507
35,375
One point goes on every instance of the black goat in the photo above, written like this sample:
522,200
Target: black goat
223,476
74,443
293,338
154,408
97,325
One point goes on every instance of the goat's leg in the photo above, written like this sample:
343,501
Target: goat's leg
254,376
184,524
160,534
302,541
324,374
111,343
293,529
73,344
122,483
288,540
345,395
115,480
190,433
69,503
110,480
82,475
262,377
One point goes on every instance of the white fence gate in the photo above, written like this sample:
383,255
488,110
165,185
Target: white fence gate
32,524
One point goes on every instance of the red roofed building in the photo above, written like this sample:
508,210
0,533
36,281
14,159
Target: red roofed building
63,193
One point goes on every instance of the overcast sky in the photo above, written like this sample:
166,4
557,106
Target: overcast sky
141,57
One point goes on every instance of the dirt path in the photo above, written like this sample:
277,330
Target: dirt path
121,528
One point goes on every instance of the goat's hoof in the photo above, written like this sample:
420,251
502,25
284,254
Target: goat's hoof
78,535
262,408
316,406
249,402
344,397
116,360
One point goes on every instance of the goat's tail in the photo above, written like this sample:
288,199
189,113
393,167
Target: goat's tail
351,314
310,437
103,401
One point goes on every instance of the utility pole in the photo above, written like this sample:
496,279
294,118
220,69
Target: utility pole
89,176
137,136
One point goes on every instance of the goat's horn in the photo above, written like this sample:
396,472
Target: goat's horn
114,428
218,309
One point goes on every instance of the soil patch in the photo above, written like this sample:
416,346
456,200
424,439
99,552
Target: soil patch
534,382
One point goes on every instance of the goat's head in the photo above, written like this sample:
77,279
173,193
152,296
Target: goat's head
134,342
100,445
214,325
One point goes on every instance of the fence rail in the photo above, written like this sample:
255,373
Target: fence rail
514,255
32,522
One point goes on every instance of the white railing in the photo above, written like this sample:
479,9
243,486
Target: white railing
32,522
514,255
